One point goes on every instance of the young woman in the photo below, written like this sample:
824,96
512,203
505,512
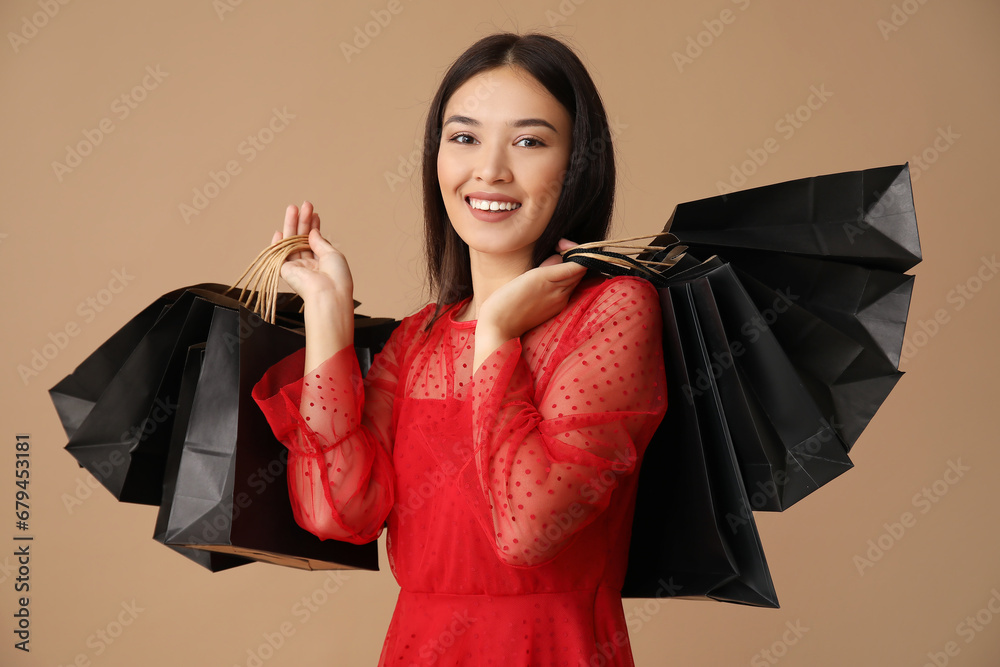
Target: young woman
499,432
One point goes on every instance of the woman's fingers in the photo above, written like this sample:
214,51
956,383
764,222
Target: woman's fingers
299,220
565,272
561,246
557,270
302,223
320,246
305,217
291,220
551,261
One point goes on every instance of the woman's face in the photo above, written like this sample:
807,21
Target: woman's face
505,147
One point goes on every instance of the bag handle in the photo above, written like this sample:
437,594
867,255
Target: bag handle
263,273
618,261
261,289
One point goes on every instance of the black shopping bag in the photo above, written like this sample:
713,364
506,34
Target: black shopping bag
210,560
787,444
231,494
693,525
129,390
855,314
76,394
834,247
863,217
806,280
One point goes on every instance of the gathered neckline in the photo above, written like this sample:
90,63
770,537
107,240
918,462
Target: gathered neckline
461,324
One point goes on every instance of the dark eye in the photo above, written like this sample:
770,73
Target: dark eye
532,142
463,139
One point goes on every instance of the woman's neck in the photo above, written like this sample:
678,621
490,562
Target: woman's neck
490,273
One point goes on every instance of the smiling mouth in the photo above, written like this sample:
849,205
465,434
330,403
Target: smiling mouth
491,205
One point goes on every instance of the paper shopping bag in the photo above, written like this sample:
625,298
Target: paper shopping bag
124,437
693,525
210,560
231,494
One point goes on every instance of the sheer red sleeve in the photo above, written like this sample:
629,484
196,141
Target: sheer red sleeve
546,460
338,431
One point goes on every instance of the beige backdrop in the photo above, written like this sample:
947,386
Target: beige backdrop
116,113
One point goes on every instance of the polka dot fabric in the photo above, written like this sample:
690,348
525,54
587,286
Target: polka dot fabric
507,490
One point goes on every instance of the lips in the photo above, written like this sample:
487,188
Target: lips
491,206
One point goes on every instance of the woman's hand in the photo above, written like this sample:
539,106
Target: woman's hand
535,296
318,275
322,278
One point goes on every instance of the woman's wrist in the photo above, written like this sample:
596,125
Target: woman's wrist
488,340
329,329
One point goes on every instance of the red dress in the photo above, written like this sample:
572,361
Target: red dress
508,490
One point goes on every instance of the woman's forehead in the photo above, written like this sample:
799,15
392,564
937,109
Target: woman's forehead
505,94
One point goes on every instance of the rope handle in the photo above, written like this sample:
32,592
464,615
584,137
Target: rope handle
262,275
620,257
260,294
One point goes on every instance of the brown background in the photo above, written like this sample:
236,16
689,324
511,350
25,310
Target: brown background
681,131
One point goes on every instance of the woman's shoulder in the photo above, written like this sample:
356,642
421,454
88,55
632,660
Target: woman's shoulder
411,324
603,293
422,315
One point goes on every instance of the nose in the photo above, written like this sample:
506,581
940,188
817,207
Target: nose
492,164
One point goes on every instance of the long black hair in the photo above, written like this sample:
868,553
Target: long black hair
586,198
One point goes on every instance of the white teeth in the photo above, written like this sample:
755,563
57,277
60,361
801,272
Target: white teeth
488,205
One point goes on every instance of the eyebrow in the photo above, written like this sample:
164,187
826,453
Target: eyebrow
523,122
